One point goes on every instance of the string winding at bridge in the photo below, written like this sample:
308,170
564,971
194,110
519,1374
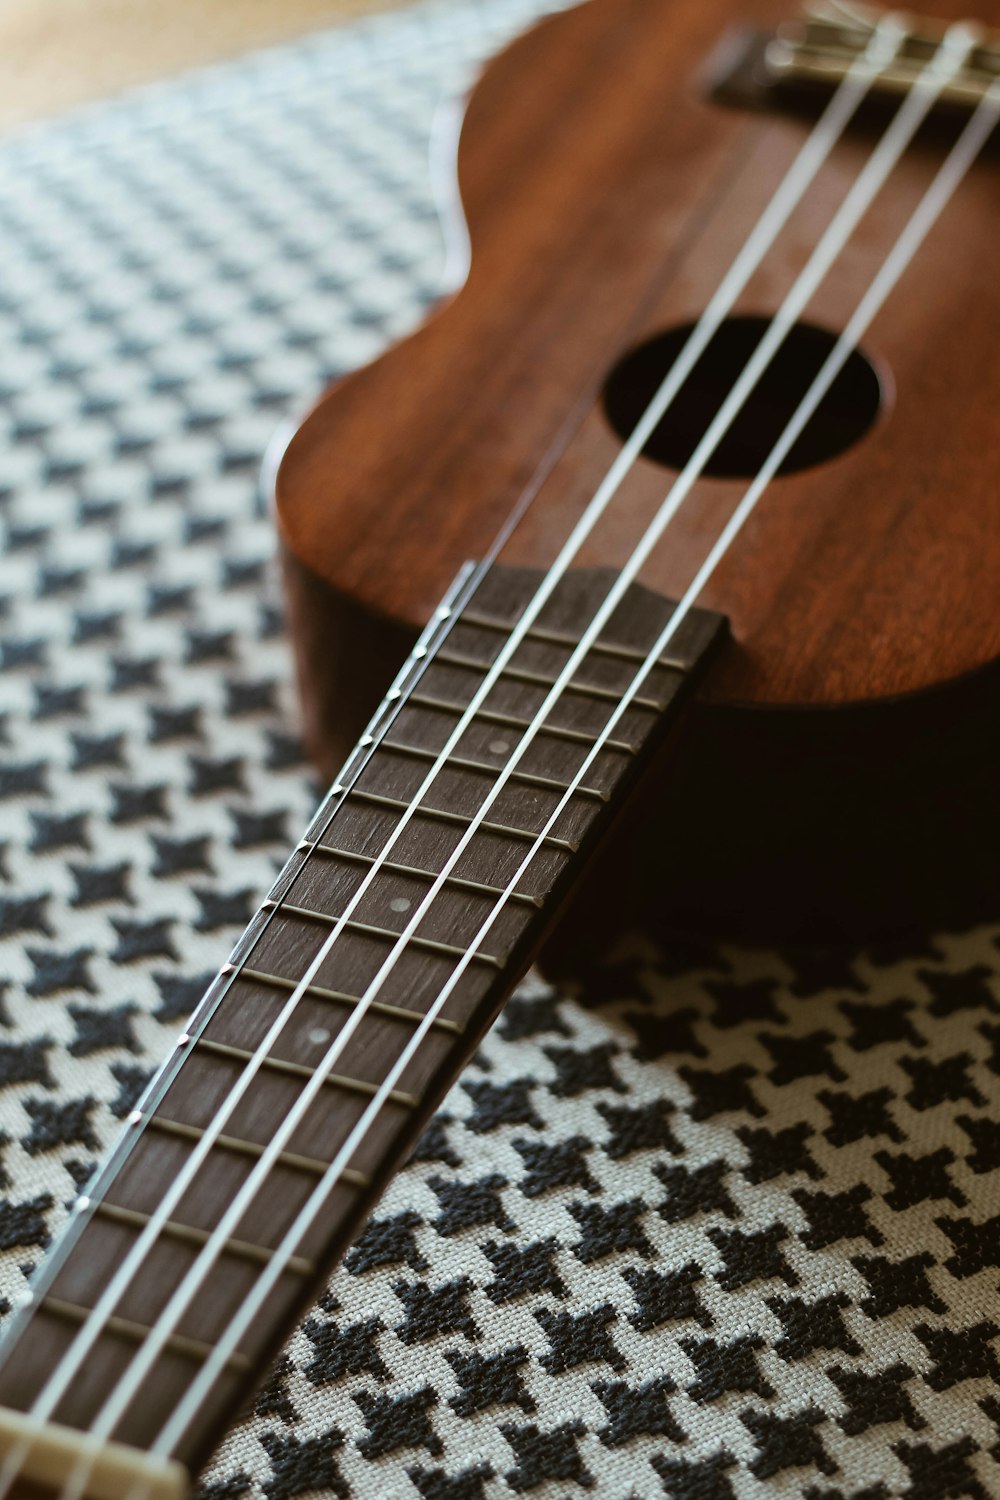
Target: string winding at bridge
277,1119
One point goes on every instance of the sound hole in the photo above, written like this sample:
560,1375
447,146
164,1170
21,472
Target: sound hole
844,415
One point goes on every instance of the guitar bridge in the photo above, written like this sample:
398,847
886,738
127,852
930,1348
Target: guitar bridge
800,64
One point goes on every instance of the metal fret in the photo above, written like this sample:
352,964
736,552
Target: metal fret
558,638
301,1070
187,1174
338,997
188,1234
461,820
511,721
314,1165
538,679
428,945
526,778
126,1328
460,883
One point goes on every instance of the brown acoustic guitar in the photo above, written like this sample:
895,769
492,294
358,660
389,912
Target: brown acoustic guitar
682,519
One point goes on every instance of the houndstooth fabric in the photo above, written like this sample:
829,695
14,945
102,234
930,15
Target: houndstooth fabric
717,1223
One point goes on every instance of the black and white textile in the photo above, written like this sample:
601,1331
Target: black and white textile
720,1224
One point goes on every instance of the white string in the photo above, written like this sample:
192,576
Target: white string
810,159
961,157
108,1417
869,182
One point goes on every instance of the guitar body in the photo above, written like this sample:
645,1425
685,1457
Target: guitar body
836,773
806,749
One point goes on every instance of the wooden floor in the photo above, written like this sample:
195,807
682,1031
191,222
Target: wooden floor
58,53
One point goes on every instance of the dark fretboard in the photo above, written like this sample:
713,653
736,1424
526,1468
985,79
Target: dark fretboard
350,833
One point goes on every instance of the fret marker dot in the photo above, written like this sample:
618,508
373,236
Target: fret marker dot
499,747
399,903
318,1036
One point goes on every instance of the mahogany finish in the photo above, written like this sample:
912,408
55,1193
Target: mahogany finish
814,770
606,193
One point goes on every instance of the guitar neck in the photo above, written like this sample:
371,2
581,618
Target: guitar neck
196,1147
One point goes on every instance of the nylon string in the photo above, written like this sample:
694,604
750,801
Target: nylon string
951,55
827,131
922,220
887,153
889,150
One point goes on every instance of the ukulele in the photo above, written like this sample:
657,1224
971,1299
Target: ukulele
693,481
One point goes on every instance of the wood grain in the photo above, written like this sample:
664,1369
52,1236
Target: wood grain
605,204
827,772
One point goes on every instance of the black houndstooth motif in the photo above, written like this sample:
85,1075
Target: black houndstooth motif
720,1224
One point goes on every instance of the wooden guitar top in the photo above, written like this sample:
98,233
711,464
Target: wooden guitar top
606,194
